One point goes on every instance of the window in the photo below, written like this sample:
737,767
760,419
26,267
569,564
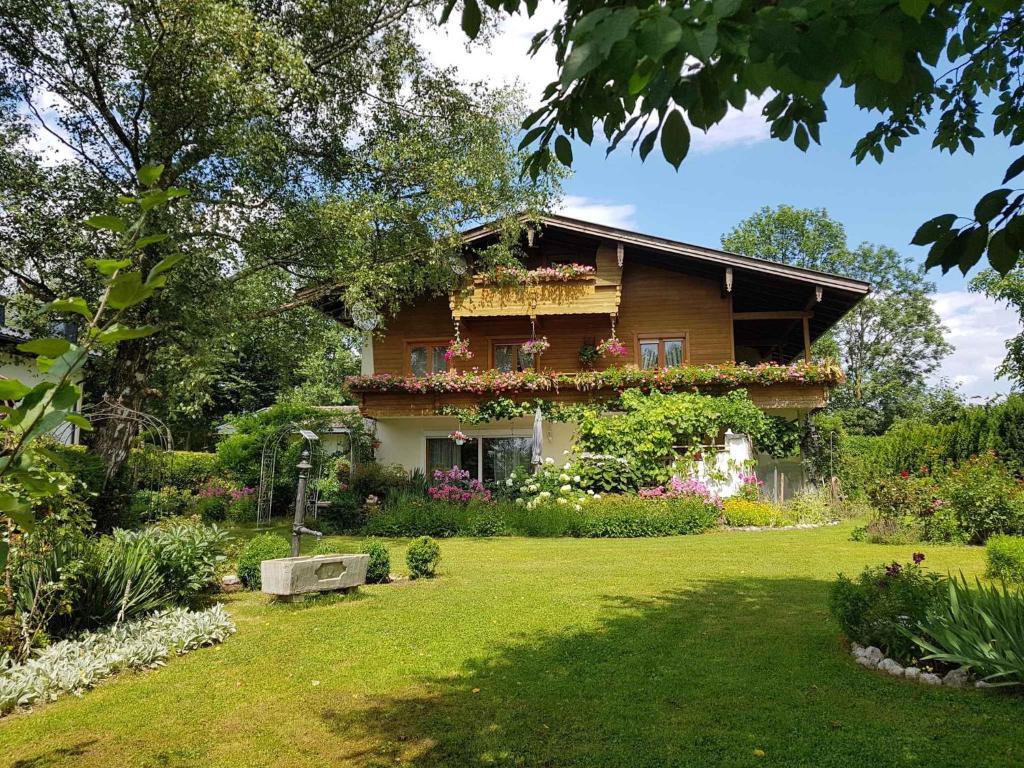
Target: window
503,455
444,453
662,352
509,357
427,357
489,459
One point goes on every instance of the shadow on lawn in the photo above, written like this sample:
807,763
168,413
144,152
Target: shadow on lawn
712,676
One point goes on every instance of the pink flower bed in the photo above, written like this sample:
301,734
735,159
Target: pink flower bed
456,485
678,488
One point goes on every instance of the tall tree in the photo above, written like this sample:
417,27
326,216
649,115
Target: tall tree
1007,289
644,70
316,140
890,343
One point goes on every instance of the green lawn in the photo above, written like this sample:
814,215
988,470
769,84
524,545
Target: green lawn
692,651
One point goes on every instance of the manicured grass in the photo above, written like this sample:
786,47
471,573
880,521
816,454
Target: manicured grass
692,651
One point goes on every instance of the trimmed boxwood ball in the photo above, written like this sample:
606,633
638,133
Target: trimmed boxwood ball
378,571
266,546
422,558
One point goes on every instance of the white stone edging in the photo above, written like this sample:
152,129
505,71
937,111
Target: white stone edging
873,658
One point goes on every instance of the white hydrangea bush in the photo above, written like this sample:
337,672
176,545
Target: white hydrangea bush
550,484
75,665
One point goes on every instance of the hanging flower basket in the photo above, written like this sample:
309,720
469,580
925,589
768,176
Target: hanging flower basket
459,437
458,349
535,346
612,347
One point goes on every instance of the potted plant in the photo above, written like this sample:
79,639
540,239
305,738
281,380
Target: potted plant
612,347
458,436
535,346
458,349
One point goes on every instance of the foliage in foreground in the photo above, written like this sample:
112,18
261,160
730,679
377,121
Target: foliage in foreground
980,628
73,666
378,570
647,71
1005,556
266,546
880,605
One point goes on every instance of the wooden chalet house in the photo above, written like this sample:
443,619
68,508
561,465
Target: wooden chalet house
687,318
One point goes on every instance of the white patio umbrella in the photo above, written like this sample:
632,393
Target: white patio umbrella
538,436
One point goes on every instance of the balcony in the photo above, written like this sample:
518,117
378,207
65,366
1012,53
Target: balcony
801,386
565,289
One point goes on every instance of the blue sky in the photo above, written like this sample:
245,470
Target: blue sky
737,169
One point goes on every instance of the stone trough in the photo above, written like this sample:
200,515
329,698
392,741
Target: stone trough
291,578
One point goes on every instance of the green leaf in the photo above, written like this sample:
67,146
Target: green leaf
887,63
104,221
1015,169
118,332
79,421
149,174
933,229
4,549
142,242
75,304
46,347
471,18
707,41
648,144
801,138
974,245
17,509
1001,254
659,35
914,8
725,8
563,151
991,205
108,266
12,389
127,290
164,265
675,138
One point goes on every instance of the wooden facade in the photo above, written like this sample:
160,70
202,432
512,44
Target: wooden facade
655,303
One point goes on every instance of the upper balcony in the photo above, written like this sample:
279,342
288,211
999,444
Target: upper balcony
799,386
565,288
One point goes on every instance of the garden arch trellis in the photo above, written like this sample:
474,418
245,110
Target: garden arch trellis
272,447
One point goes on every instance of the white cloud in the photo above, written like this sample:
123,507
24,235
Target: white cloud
609,214
978,329
503,60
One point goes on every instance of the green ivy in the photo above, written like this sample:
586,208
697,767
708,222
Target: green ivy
650,426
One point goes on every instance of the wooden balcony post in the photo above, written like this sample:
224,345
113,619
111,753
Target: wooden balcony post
807,339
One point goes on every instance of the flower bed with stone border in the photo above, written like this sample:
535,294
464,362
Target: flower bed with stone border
873,658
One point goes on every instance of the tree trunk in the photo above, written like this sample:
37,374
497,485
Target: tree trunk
124,394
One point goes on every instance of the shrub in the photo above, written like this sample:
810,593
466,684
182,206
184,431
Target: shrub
1005,556
72,666
378,571
886,530
147,506
982,629
985,497
382,481
548,484
242,505
628,516
212,500
343,512
153,468
812,506
884,602
743,512
187,555
266,546
422,557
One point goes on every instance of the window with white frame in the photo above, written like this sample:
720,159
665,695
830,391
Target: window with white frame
488,459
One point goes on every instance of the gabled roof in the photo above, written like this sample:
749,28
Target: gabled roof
690,252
